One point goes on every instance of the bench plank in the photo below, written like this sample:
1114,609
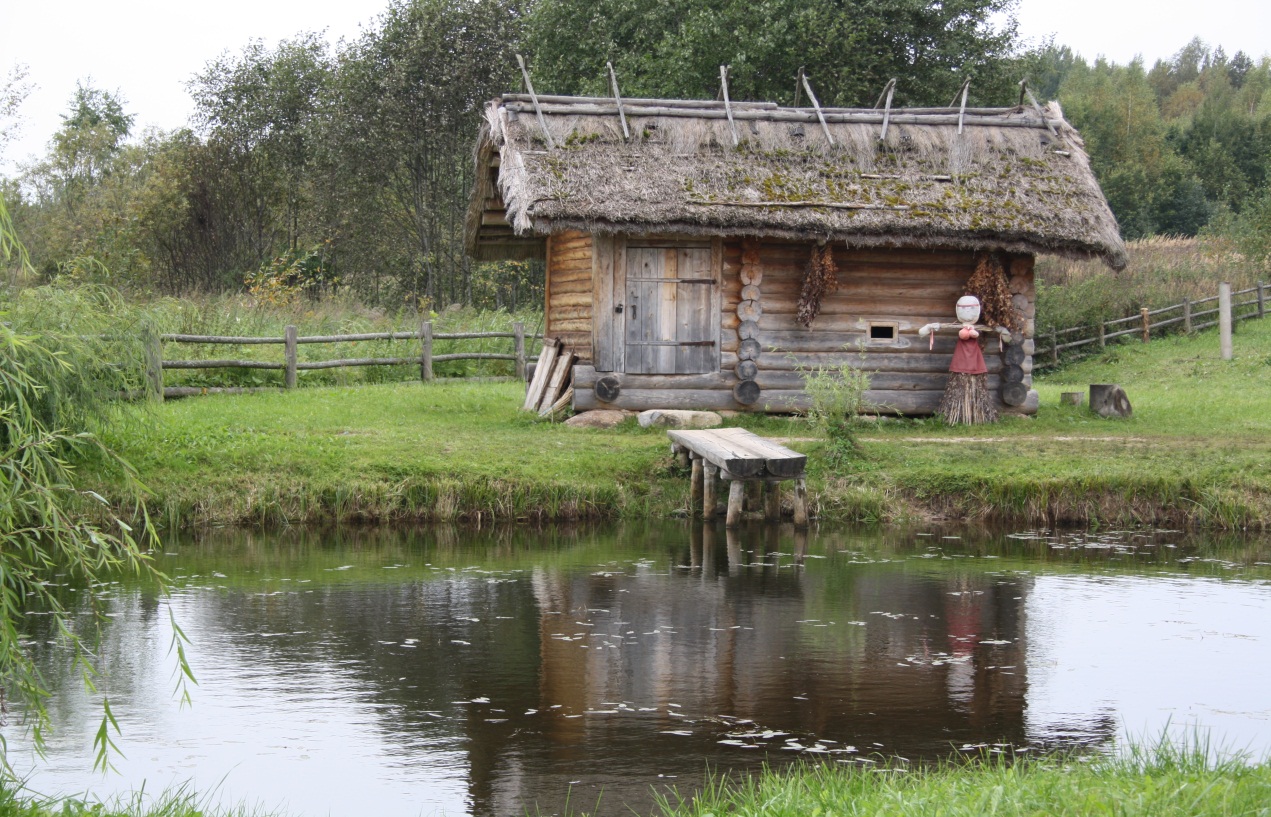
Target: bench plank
742,454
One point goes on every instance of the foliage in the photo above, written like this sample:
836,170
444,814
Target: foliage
13,91
178,802
1162,272
1164,779
51,388
291,275
849,50
837,395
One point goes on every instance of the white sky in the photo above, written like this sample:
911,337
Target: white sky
148,49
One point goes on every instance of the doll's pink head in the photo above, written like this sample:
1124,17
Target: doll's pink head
968,309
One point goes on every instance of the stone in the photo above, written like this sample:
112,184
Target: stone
600,418
677,418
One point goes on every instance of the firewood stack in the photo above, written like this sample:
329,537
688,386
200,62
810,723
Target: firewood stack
551,390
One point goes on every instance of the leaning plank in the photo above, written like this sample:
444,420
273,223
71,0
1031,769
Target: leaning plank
560,372
543,371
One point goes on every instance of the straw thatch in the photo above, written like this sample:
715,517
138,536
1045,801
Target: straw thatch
1009,181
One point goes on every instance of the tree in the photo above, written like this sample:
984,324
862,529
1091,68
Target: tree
14,90
407,105
849,48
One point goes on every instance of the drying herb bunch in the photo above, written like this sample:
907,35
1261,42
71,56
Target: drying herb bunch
819,277
988,283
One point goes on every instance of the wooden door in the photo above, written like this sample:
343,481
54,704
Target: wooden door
671,312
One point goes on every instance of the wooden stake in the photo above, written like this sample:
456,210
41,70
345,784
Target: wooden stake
728,108
617,98
710,477
1054,347
817,105
154,365
966,87
518,349
887,92
800,503
425,351
695,484
736,494
1187,316
1224,319
772,501
289,338
538,109
1103,341
1262,300
1147,324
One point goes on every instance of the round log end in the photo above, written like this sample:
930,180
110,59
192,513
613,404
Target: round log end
1014,394
746,392
749,349
1012,374
749,310
747,370
1014,354
607,389
748,330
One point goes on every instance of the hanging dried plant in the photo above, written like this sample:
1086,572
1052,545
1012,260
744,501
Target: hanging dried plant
988,283
819,277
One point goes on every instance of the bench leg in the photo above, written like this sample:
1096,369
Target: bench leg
695,485
772,501
710,474
736,493
680,453
800,503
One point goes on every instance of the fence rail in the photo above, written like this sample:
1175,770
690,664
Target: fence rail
1145,326
290,365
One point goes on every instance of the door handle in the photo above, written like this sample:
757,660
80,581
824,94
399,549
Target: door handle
633,311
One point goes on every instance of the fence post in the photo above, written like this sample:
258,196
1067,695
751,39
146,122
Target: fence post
154,364
289,336
1262,300
518,347
1103,342
425,351
1147,324
1054,347
1187,316
1224,319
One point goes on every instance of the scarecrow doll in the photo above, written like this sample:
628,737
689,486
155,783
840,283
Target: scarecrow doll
967,399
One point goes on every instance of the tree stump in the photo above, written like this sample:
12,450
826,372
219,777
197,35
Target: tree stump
1109,400
1071,398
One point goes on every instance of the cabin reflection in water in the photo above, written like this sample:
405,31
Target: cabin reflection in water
878,659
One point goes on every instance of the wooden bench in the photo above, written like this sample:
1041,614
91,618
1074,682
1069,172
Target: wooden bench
739,456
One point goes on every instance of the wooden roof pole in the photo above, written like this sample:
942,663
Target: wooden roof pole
798,87
728,108
966,86
538,109
1023,86
888,90
817,105
617,98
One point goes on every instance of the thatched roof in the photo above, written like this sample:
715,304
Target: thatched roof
1014,179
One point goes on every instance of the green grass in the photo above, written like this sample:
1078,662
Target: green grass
1161,781
180,802
1196,452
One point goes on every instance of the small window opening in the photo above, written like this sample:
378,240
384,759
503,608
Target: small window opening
882,331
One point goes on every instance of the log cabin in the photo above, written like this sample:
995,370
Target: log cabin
679,236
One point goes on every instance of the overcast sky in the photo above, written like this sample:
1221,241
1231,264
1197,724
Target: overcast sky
148,49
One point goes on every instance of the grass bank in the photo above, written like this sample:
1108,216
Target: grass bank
1160,782
1197,452
17,802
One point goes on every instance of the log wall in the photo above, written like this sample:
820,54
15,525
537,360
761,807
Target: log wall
569,291
907,288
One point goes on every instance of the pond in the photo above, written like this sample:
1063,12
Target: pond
501,672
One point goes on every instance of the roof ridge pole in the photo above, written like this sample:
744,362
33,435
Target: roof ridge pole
728,108
966,86
538,109
1023,84
617,98
888,90
817,105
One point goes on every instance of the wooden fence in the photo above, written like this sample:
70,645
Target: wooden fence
1187,317
291,365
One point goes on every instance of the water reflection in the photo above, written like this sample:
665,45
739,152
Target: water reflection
433,672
